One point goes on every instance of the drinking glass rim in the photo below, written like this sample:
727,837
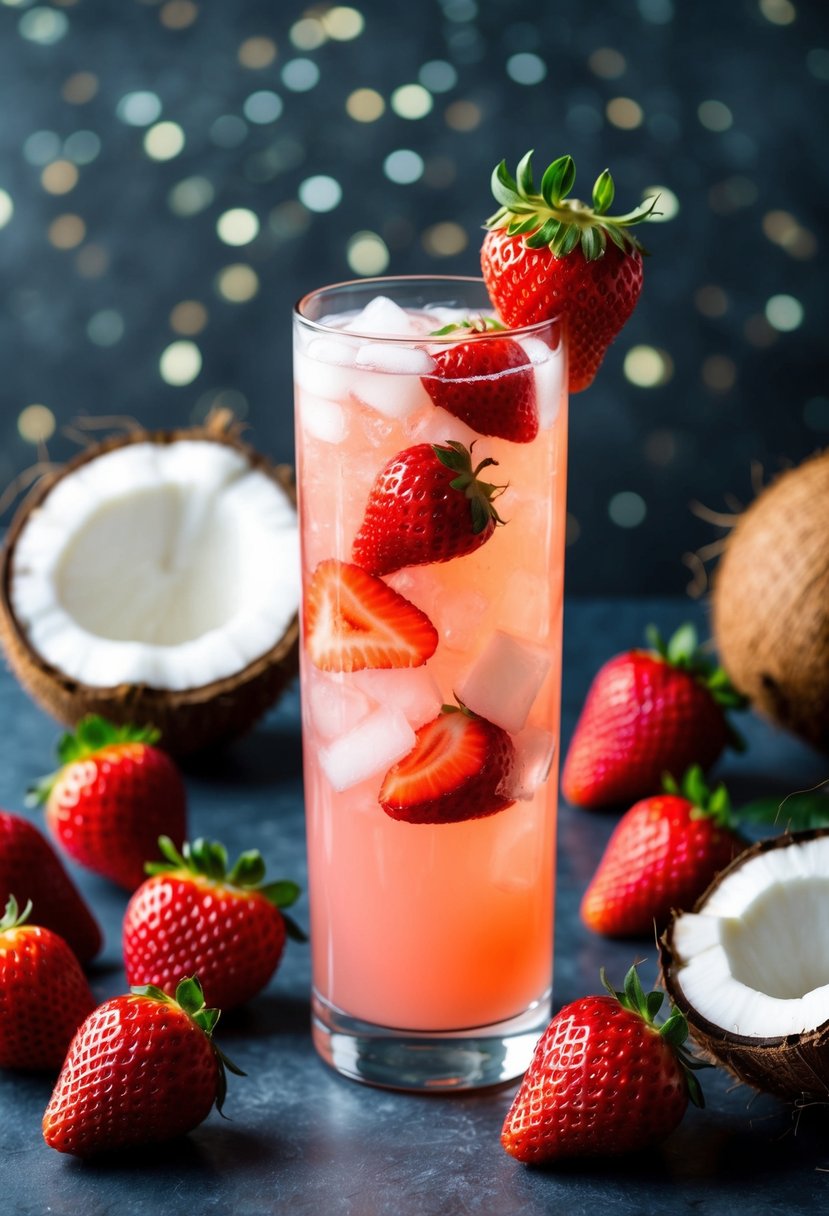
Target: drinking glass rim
537,327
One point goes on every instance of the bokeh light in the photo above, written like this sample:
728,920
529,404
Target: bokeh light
164,141
364,105
320,193
36,423
237,283
367,253
238,226
180,363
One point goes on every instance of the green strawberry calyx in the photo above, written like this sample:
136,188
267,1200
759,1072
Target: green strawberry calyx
674,1030
458,459
683,652
547,218
469,327
13,918
190,999
208,859
91,735
713,804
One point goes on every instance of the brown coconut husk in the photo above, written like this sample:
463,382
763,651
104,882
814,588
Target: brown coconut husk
793,1067
191,720
771,602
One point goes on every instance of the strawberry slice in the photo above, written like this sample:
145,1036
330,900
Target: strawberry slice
489,384
354,620
455,771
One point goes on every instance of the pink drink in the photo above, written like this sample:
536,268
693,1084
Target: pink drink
430,929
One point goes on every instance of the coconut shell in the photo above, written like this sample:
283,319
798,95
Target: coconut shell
771,602
190,720
794,1067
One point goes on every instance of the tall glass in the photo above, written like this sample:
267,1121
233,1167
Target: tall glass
432,942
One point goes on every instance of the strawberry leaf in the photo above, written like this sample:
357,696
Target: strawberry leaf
12,917
524,175
603,192
558,180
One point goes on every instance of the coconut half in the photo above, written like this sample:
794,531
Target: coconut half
155,578
749,967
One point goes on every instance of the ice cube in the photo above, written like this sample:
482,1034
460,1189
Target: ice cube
391,382
381,316
322,368
505,680
548,368
534,752
336,706
399,360
439,426
414,692
457,614
322,419
373,746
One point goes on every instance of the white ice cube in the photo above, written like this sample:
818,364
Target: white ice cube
534,752
389,380
505,680
413,691
322,419
373,746
322,369
437,425
548,368
381,316
398,360
457,614
336,706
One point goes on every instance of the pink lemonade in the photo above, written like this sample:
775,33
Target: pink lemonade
418,926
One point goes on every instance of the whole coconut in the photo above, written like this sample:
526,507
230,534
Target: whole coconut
771,602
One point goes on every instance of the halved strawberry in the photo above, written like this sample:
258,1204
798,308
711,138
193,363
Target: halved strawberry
354,621
455,771
488,383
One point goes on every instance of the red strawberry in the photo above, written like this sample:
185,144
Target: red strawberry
353,621
457,769
44,995
426,505
549,256
648,712
112,798
31,868
194,917
489,383
604,1080
663,854
141,1069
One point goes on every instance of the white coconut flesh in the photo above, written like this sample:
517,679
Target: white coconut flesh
754,960
170,565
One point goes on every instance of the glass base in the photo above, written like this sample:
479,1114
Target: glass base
439,1062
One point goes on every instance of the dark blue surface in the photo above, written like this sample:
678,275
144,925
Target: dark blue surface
301,1139
731,120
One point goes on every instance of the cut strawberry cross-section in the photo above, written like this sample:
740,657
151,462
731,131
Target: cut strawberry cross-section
455,771
354,621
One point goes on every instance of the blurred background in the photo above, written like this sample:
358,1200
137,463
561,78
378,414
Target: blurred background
175,173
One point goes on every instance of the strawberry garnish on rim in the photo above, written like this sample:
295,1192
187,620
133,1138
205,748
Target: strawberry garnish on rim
547,256
355,621
458,769
487,382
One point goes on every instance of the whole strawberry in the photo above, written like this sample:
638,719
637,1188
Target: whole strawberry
427,504
44,995
31,868
488,383
547,255
194,916
141,1069
459,768
113,796
649,712
663,854
604,1080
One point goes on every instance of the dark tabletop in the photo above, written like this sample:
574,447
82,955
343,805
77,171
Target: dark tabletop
299,1138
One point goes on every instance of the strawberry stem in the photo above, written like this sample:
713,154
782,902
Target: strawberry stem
708,803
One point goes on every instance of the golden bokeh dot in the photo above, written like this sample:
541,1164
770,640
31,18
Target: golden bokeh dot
364,105
92,261
342,23
445,239
783,229
307,34
367,253
237,283
463,116
59,177
607,62
710,300
79,88
178,14
180,363
647,367
188,318
164,141
257,53
719,373
759,332
411,101
624,113
778,12
36,423
67,231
